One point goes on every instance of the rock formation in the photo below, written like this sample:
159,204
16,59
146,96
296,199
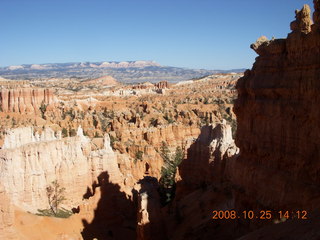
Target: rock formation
18,137
206,158
149,219
316,15
162,85
28,168
278,122
24,99
303,22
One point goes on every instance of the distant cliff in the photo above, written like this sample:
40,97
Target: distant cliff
23,100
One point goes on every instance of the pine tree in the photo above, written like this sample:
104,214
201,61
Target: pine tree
55,195
168,172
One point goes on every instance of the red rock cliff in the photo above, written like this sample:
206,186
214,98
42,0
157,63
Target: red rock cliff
24,99
278,121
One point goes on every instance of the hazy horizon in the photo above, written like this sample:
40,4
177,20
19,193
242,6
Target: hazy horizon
162,65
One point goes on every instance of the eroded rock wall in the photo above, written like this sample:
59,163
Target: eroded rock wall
23,100
27,169
278,121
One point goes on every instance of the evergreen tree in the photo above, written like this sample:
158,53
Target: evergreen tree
168,172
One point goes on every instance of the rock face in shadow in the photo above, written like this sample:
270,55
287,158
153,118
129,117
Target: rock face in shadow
293,230
206,158
114,216
150,221
278,122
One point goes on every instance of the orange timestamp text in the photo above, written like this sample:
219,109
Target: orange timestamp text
260,215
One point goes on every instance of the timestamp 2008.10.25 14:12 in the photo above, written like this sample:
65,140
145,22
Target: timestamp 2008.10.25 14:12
263,214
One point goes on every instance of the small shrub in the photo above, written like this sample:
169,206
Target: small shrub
113,140
72,132
14,122
64,132
138,156
95,122
43,109
153,122
97,135
168,118
61,213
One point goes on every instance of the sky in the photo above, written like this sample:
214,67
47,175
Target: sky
206,34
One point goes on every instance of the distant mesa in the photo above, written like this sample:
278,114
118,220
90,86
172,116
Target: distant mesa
123,64
12,68
38,67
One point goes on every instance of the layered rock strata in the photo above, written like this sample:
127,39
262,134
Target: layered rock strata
23,100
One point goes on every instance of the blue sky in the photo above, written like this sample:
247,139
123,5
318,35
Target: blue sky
185,33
